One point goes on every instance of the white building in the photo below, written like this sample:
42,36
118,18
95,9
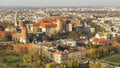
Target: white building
68,42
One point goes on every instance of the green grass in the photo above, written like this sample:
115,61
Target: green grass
114,59
3,65
10,60
14,61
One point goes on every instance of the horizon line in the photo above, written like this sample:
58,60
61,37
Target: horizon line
57,6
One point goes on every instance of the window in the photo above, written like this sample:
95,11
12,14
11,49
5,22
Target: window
39,30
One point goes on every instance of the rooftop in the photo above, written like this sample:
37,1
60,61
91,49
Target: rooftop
46,23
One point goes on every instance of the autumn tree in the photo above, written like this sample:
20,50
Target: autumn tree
91,64
47,66
98,64
92,52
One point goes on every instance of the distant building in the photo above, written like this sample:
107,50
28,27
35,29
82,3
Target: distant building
20,36
67,42
49,26
61,56
17,22
45,25
101,35
59,25
92,30
68,25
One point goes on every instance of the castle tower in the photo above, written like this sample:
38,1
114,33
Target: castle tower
20,23
59,25
15,19
23,35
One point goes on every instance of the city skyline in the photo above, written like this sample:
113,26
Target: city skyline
60,3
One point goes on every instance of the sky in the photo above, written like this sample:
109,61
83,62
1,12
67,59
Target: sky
60,3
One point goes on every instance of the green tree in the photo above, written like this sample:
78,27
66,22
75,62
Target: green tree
32,53
4,38
69,65
73,35
8,50
4,59
25,58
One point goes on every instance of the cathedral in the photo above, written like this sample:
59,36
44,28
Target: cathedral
17,32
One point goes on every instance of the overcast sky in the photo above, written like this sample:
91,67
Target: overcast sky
56,3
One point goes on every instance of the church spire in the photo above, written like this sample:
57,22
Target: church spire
15,20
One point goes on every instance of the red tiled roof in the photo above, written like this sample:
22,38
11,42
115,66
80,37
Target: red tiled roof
61,52
80,48
46,23
58,52
100,40
105,41
70,50
9,32
114,42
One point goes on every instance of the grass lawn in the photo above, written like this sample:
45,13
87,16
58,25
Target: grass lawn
2,65
14,61
10,59
114,59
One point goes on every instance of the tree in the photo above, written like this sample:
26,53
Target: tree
25,50
98,64
117,39
92,52
73,35
6,37
32,53
35,65
69,65
61,66
77,29
104,66
8,50
47,66
4,59
91,64
64,66
75,64
25,58
72,64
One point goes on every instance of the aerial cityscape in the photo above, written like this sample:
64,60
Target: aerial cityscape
59,34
